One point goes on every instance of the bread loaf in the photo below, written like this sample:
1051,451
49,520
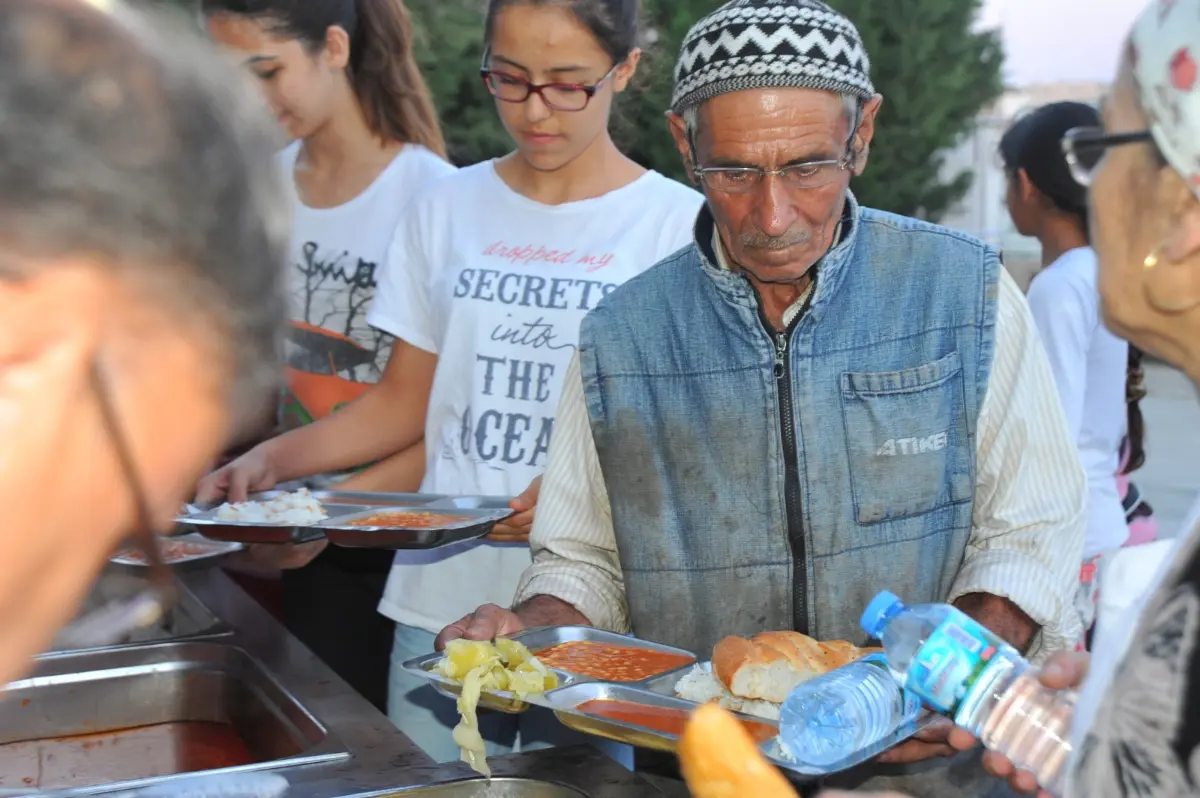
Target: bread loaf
719,759
767,666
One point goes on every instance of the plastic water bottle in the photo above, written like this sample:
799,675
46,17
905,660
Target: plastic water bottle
834,715
966,672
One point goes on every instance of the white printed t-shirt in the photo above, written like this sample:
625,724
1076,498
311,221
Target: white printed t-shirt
333,354
1090,366
496,285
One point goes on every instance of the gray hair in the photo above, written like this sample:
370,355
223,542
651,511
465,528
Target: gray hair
852,104
128,141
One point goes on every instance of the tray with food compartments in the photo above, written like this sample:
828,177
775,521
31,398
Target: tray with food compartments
181,552
411,528
624,689
353,519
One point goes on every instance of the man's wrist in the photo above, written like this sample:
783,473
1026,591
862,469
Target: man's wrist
1002,616
545,610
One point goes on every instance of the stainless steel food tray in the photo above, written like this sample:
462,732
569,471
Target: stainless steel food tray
206,523
475,524
539,639
664,684
376,499
543,637
105,694
657,691
774,753
213,552
565,703
471,502
499,701
341,505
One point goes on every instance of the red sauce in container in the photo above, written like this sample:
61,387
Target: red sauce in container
408,520
660,719
609,662
84,760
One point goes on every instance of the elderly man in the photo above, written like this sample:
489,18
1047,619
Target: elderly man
812,402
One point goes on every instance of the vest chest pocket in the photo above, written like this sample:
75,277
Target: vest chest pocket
907,440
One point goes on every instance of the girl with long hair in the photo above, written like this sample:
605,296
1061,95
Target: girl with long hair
342,81
1091,365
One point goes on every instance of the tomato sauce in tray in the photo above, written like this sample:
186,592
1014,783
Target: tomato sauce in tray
660,719
408,520
170,551
609,662
142,752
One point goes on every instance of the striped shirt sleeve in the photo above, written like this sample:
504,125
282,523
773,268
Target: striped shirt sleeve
1027,532
573,543
1027,536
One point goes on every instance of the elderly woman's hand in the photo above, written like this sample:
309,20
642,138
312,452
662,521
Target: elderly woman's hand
1061,672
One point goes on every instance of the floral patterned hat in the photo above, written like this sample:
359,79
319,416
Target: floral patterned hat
1165,53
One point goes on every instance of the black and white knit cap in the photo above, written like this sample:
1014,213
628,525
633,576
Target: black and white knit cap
758,44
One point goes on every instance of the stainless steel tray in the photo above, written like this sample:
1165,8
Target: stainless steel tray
664,684
207,524
658,691
208,553
500,701
373,499
773,752
137,698
475,524
472,502
542,638
565,703
538,639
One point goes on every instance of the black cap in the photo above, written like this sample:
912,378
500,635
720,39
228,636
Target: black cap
1034,143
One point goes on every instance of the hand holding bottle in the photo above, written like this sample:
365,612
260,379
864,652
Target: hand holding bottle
1063,671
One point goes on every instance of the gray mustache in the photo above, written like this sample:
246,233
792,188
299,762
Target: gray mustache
760,240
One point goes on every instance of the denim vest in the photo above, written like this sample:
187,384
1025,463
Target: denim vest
869,402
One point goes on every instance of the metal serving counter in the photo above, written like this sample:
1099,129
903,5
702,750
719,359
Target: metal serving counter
247,671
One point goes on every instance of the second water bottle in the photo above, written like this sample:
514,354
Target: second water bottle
834,716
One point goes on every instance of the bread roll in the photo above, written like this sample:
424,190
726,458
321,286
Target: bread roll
769,665
720,760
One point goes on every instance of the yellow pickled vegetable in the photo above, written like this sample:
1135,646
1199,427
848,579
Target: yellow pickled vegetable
466,733
481,666
464,656
512,652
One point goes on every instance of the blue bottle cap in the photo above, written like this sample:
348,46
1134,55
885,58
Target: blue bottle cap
877,614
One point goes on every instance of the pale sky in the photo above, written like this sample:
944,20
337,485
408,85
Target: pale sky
1053,40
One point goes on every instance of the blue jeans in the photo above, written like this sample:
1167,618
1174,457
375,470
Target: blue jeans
428,717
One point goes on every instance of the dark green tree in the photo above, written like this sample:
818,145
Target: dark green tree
449,47
936,72
934,69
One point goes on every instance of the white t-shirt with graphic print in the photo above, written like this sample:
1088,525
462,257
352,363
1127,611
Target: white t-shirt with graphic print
496,285
335,263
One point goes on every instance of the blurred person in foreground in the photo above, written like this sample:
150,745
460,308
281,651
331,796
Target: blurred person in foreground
1136,729
143,232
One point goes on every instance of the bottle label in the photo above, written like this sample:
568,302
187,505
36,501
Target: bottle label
950,662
